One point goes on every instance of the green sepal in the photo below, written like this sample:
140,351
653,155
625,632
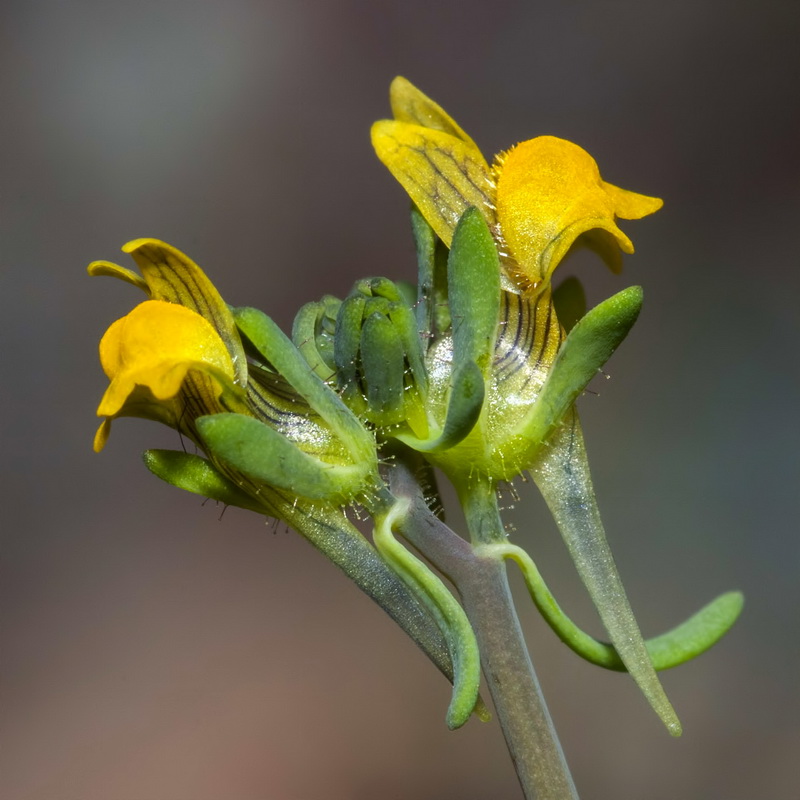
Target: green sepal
312,340
432,311
406,324
382,364
346,344
199,476
253,448
587,347
473,279
464,406
280,352
377,287
569,300
387,298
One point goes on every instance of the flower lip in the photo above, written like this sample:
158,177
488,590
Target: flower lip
549,191
147,356
155,345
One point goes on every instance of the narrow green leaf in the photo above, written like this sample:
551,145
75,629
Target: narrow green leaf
383,364
441,604
199,476
698,633
263,454
587,347
686,641
473,278
562,475
463,410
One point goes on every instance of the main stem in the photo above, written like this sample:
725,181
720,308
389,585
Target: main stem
483,585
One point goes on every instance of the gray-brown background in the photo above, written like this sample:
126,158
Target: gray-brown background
153,651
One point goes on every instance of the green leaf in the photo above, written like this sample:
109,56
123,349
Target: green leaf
562,475
383,364
587,347
264,455
307,339
473,278
463,410
686,641
199,476
444,608
697,634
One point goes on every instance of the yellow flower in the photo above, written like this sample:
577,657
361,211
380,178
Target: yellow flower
183,338
179,358
538,197
155,346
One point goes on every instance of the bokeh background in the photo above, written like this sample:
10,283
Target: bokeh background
153,648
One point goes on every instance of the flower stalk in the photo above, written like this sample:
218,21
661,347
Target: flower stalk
482,584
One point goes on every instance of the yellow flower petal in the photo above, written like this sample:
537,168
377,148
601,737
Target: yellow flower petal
101,437
549,192
116,271
409,104
630,205
443,175
155,346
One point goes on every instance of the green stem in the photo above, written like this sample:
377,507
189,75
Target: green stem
483,586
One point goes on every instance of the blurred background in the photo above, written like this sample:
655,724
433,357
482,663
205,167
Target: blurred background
153,647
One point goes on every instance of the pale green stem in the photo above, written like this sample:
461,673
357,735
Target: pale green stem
483,586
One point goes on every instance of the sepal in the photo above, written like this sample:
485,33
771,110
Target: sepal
199,476
473,288
313,335
264,455
587,347
378,356
473,280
